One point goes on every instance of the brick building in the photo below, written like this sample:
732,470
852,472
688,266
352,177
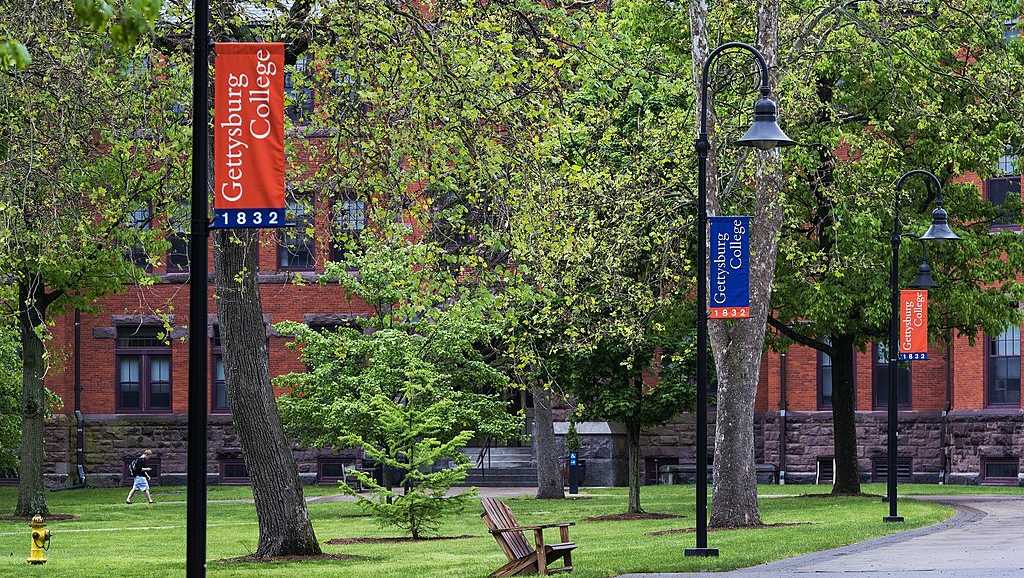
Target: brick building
125,388
129,377
962,421
960,410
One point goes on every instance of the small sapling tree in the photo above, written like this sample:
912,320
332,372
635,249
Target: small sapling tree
410,385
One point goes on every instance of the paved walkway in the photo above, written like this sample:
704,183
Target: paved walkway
985,539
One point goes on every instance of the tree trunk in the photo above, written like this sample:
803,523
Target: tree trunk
738,345
633,450
284,523
844,417
31,490
734,502
549,478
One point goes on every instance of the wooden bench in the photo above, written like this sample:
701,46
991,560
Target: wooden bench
523,558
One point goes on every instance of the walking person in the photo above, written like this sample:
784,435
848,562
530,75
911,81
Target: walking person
140,473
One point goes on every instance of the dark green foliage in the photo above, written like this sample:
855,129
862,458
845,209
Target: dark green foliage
410,386
10,396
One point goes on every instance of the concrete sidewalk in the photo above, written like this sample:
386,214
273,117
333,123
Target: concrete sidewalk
985,539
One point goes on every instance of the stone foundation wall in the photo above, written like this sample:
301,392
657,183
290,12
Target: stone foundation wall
974,436
110,439
677,439
602,448
952,448
949,448
58,446
809,438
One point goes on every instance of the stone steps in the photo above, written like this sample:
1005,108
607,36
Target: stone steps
518,477
502,467
502,458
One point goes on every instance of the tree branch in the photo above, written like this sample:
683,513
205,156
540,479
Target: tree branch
798,337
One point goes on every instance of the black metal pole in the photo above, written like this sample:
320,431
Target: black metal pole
703,147
195,547
894,304
931,181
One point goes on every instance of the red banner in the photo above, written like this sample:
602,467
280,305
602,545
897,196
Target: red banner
913,320
248,135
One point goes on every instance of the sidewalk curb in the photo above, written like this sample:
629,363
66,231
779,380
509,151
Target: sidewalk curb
964,516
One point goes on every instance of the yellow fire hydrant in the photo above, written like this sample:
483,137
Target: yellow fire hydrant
40,541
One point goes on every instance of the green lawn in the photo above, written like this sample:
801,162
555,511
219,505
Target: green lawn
904,490
114,539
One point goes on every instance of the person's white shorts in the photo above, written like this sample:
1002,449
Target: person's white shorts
141,483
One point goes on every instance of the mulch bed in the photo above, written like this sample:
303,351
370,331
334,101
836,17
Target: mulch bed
692,530
50,518
275,559
392,540
632,517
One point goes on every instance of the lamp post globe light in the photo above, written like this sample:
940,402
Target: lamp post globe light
938,231
924,279
764,134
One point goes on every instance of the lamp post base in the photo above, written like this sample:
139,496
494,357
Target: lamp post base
895,519
701,552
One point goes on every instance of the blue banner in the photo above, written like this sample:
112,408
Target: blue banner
248,219
729,267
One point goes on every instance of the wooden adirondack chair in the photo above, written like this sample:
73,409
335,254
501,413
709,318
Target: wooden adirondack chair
523,558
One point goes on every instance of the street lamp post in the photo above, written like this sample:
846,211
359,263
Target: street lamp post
938,231
195,541
764,134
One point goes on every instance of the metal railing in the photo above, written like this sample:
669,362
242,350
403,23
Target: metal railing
485,454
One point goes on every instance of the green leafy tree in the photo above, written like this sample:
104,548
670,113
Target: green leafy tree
125,23
420,113
13,54
893,90
739,182
612,382
385,79
10,394
870,90
90,151
424,112
530,356
411,386
601,219
285,528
